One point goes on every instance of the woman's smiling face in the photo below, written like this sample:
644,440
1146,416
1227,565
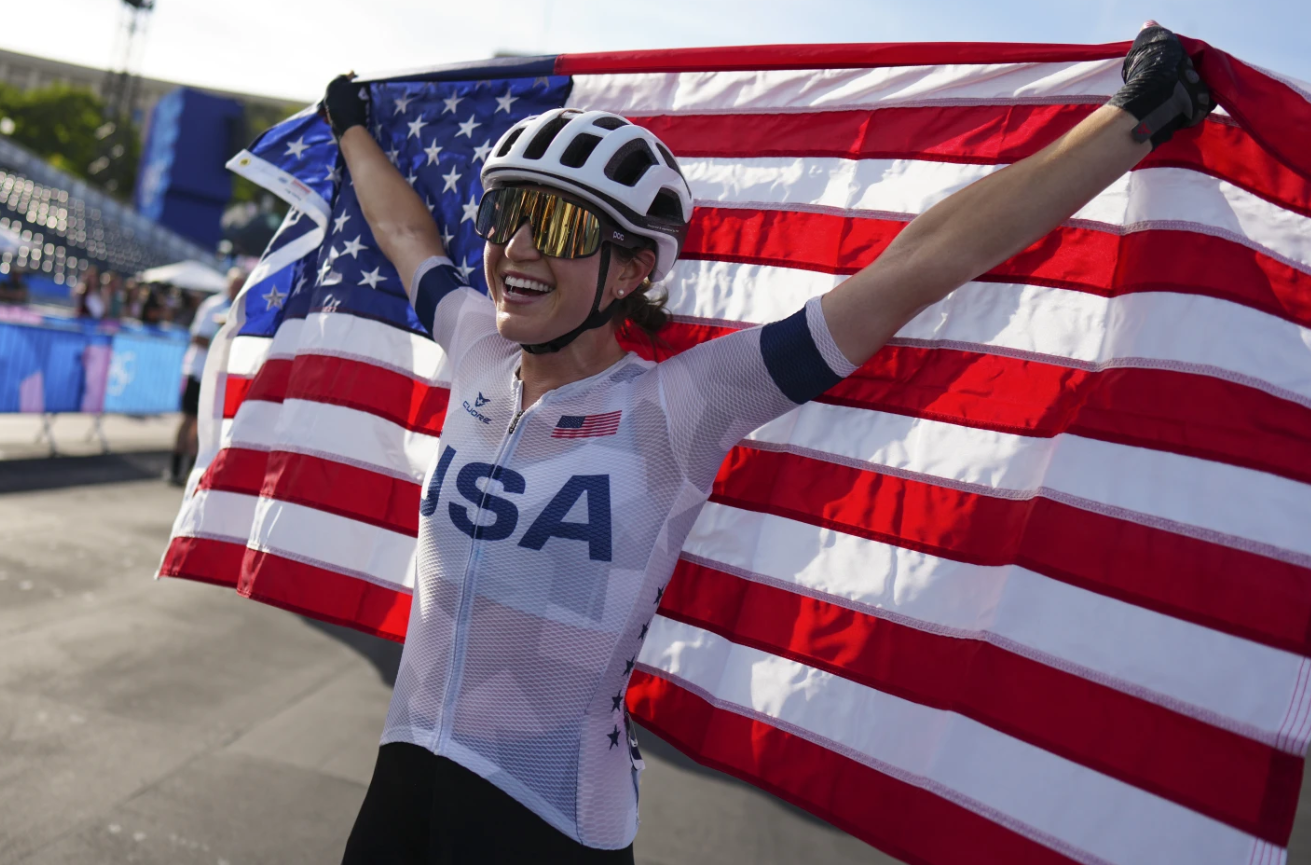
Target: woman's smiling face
539,298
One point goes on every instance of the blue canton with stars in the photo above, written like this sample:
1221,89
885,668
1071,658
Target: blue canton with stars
437,134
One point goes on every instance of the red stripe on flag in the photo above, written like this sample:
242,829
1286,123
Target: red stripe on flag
967,134
1230,590
324,594
204,560
1177,412
336,488
1077,259
1223,775
413,404
837,56
904,820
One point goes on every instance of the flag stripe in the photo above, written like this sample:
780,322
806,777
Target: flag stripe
1137,485
1174,198
332,432
1070,257
975,134
337,488
1067,328
204,560
325,594
1212,771
417,406
1044,793
1222,587
1180,412
1122,646
836,56
809,89
881,809
328,541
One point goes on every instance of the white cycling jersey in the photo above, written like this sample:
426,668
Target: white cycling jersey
547,537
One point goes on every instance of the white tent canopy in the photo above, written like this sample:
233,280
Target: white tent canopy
190,275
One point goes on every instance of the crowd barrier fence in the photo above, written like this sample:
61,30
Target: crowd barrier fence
50,365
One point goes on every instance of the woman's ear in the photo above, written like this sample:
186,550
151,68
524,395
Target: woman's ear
633,272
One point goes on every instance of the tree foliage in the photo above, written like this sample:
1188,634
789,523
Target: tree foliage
59,123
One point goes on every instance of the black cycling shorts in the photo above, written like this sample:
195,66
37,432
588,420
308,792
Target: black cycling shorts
422,809
191,397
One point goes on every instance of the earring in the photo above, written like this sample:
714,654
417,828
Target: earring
619,293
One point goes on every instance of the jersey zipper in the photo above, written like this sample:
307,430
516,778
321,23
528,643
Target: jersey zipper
455,674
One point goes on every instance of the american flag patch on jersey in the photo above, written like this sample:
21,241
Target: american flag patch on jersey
578,426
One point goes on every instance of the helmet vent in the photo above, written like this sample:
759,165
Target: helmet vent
669,158
509,141
579,149
630,162
610,122
545,136
666,206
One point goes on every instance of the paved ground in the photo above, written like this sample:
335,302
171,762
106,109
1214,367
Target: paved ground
172,723
22,435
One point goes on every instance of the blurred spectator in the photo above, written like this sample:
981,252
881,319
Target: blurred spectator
90,301
132,299
115,295
210,316
14,289
152,305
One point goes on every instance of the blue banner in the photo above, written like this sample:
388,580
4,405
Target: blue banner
49,364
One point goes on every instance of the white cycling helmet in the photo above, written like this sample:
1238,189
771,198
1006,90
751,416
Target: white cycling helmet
623,169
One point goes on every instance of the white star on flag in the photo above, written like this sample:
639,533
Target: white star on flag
544,81
334,175
403,104
468,127
429,204
503,103
372,278
465,269
432,150
393,155
274,299
480,152
447,237
297,147
339,222
411,177
415,126
451,104
451,179
353,247
470,209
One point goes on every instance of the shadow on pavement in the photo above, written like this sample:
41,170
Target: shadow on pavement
385,656
52,473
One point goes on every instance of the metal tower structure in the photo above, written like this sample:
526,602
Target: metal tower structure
115,163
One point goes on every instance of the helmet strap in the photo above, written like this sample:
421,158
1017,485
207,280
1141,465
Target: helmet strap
595,318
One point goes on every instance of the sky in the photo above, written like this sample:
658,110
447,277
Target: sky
292,48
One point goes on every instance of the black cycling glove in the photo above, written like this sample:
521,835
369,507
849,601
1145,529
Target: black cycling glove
1161,87
346,104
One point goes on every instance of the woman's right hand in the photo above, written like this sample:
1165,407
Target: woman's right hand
346,104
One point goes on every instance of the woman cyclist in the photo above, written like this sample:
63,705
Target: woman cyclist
570,471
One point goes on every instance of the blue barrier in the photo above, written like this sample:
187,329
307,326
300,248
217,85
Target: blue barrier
50,364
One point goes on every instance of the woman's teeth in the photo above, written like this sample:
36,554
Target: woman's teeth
520,285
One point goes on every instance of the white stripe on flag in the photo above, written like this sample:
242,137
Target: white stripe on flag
947,753
1243,686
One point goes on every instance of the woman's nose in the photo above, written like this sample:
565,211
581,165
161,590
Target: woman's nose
520,247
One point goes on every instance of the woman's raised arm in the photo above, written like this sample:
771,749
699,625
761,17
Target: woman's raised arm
401,224
982,225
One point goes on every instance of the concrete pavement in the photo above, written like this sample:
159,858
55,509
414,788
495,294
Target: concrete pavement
170,723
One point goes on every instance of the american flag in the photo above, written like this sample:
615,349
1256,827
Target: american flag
1034,585
574,426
